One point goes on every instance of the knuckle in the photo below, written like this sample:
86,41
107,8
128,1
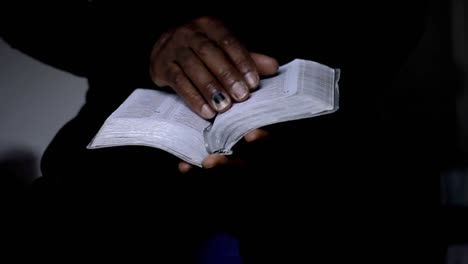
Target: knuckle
194,99
183,55
227,76
184,31
204,20
204,47
164,38
177,78
228,41
243,64
211,86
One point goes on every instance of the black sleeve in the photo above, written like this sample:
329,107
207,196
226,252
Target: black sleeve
82,36
56,34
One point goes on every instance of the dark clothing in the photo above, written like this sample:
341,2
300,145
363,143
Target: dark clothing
365,173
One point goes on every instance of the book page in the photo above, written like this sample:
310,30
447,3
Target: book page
157,119
319,81
301,89
158,105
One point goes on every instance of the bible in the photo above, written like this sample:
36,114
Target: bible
300,89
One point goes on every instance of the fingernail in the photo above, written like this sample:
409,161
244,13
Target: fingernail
240,90
207,112
220,101
251,79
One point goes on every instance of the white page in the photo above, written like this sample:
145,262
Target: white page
157,119
302,89
316,79
271,89
157,105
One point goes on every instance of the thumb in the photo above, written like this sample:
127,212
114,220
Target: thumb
265,65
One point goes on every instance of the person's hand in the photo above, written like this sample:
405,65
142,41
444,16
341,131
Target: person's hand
216,160
207,66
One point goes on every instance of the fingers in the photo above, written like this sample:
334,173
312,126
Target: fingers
207,84
214,58
207,66
237,53
265,65
210,162
183,86
256,134
184,167
216,160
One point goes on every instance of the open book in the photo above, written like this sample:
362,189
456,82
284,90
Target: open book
301,89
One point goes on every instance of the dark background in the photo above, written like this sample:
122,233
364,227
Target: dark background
36,100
